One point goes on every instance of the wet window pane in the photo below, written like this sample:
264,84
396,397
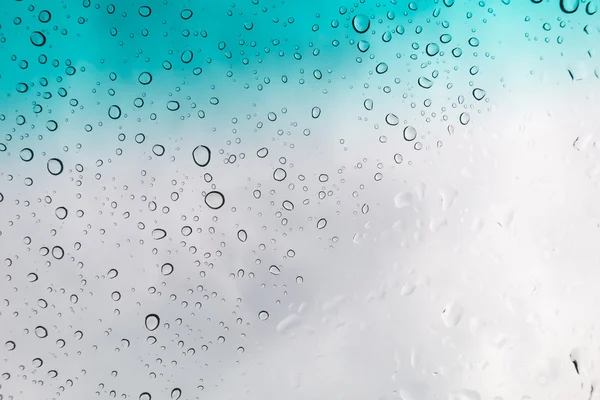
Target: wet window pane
299,199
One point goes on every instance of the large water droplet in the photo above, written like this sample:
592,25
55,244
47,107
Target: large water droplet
381,68
55,166
410,133
392,119
322,223
361,23
279,174
37,38
263,315
158,234
478,93
425,83
201,155
464,118
432,49
214,199
114,112
569,6
152,321
26,154
166,269
41,332
175,394
316,112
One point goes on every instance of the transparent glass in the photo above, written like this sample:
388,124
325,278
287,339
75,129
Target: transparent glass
267,199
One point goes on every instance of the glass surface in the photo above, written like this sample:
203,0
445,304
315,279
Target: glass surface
267,199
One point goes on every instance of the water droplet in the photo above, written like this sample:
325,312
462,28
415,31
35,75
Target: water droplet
381,68
452,314
41,332
158,150
152,321
158,234
279,174
425,83
262,152
54,166
322,223
201,155
591,8
274,270
112,273
214,200
569,6
392,119
410,133
464,118
479,94
445,38
242,235
145,78
263,315
37,38
403,199
10,345
387,36
368,103
44,16
26,154
316,112
145,11
172,105
186,14
166,269
114,112
361,23
61,213
175,394
363,45
22,87
432,49
58,252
